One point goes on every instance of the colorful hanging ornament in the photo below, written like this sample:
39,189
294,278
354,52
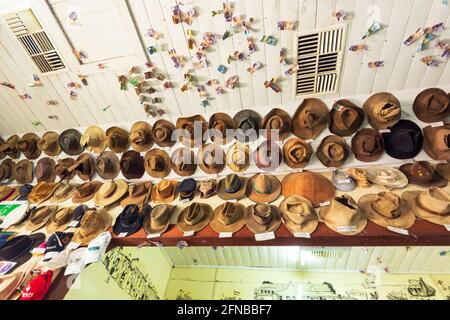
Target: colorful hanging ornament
219,90
150,90
24,96
182,244
9,85
101,66
446,54
424,41
199,62
246,25
227,12
36,123
36,82
133,70
80,55
272,85
204,103
52,103
236,56
293,69
222,69
74,85
374,28
227,34
212,82
106,108
255,66
152,33
188,18
190,39
73,18
359,48
135,82
152,49
177,60
287,25
167,85
414,37
270,40
176,14
231,82
73,95
208,40
436,28
251,45
339,15
375,64
53,117
429,61
283,56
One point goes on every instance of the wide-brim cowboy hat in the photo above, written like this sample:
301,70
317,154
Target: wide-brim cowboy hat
223,126
444,170
382,110
162,133
297,153
404,141
62,169
345,118
271,226
219,223
28,145
94,139
137,194
305,220
211,158
368,145
107,165
39,217
423,174
141,138
45,170
93,223
132,165
6,169
387,176
130,219
110,192
271,184
246,121
435,199
84,166
49,144
62,193
9,284
157,191
277,124
117,139
238,191
86,191
60,220
432,105
436,142
333,151
42,192
157,163
69,141
23,171
9,147
193,138
238,157
203,209
310,119
159,224
183,162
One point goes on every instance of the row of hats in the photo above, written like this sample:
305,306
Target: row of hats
404,141
311,118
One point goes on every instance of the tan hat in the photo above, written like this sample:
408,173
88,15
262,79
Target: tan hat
386,176
195,217
107,165
44,170
221,122
92,224
9,284
231,187
42,192
162,133
137,194
8,193
94,139
436,142
277,121
28,145
63,192
39,217
110,192
188,124
262,217
423,174
333,151
263,188
299,215
387,209
432,205
157,220
117,139
86,191
211,158
344,216
6,170
84,166
9,147
62,169
207,188
141,136
383,110
297,152
157,163
238,157
60,220
310,119
360,177
228,217
165,191
183,162
23,171
49,144
345,118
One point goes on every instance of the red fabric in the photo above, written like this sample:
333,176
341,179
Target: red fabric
38,287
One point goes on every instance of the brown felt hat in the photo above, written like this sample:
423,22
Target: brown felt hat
157,163
231,187
62,169
422,173
110,192
221,122
333,151
263,188
6,170
345,118
2,154
69,141
9,147
183,162
60,220
297,152
45,171
42,192
238,157
383,110
39,217
23,171
277,123
63,192
299,214
117,139
248,123
94,139
195,217
310,119
165,191
92,224
436,142
268,156
368,145
141,138
86,191
28,145
137,194
132,165
262,217
49,144
228,217
162,133
158,219
107,165
84,166
432,105
191,138
211,158
444,170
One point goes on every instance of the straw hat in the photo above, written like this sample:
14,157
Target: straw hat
263,188
141,136
386,176
228,217
8,193
157,220
367,145
137,194
344,216
42,192
297,152
432,105
238,157
432,205
69,141
9,147
211,158
63,192
423,174
278,121
310,119
9,284
262,217
360,177
84,166
221,122
165,191
231,187
60,220
28,145
157,163
342,181
94,139
45,170
299,215
117,139
6,170
437,142
132,165
333,151
248,123
207,188
194,130
110,192
313,186
268,156
345,118
49,144
107,165
39,217
404,141
162,133
195,217
387,209
23,171
383,110
183,162
92,224
86,191
62,169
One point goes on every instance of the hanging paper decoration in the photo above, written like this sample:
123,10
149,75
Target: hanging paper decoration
339,15
359,48
182,244
24,96
212,82
414,37
106,108
177,60
208,40
293,69
270,40
283,56
236,56
374,28
53,117
379,260
231,82
386,269
188,80
179,16
150,90
73,95
251,45
167,85
52,102
227,34
73,17
272,85
441,45
227,12
176,14
222,69
153,34
190,39
436,28
36,123
135,81
219,90
74,85
425,40
153,111
429,61
9,85
152,50
189,17
83,79
80,55
246,26
375,64
37,82
101,66
133,70
257,65
446,53
156,100
287,25
364,272
199,62
240,23
204,103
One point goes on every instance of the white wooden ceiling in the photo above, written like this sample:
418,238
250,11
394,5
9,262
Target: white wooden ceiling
104,35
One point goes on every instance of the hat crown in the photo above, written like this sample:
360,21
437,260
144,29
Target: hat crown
159,216
219,125
387,111
262,213
24,145
105,164
38,215
346,118
61,216
164,188
232,183
310,118
129,215
298,153
370,144
156,163
139,137
343,212
85,189
107,189
422,171
437,102
387,204
228,214
62,190
194,214
297,210
161,133
435,200
275,123
207,188
137,190
334,151
262,184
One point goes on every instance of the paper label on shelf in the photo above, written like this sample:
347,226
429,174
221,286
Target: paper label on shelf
153,235
38,251
73,224
447,226
73,245
346,228
185,200
437,124
265,236
398,230
188,233
309,140
233,200
122,235
325,204
302,235
225,234
385,131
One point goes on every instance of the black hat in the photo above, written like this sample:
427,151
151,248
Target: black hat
77,215
187,189
245,121
56,243
130,219
404,141
18,248
24,191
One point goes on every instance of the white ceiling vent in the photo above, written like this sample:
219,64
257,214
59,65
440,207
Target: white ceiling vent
319,57
34,39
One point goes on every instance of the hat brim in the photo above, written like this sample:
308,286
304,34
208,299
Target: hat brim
77,199
231,196
158,199
131,229
256,228
167,163
323,158
56,200
219,227
436,181
184,227
30,226
36,240
399,184
53,227
121,190
411,199
83,240
161,229
360,224
258,198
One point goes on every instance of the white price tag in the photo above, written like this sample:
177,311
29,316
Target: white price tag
385,131
233,200
38,251
306,235
265,236
437,124
399,230
344,181
185,200
73,224
225,234
346,228
309,140
153,235
447,226
188,233
73,245
122,235
324,204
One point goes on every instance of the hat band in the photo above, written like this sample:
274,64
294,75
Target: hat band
233,189
8,195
